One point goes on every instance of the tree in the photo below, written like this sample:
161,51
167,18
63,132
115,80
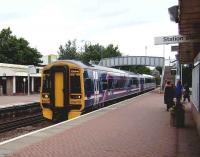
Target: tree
17,50
92,52
111,51
159,69
88,53
140,69
69,51
97,51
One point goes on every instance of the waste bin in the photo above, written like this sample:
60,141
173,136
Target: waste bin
180,115
172,119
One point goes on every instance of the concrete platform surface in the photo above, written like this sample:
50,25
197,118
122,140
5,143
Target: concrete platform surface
7,101
138,127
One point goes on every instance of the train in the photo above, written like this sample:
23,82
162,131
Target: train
69,87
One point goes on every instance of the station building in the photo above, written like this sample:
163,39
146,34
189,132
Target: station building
187,15
14,79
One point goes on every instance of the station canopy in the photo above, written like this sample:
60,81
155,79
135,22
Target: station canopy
189,25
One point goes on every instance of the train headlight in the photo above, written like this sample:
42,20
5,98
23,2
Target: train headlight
46,96
75,96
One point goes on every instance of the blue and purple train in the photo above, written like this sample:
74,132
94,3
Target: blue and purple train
71,87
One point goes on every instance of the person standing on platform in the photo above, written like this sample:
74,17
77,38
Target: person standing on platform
178,91
186,93
168,95
174,90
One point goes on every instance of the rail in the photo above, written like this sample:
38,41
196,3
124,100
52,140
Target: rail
20,122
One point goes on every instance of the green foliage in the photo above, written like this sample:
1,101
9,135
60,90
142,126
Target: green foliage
90,52
96,52
158,79
111,51
140,69
159,69
69,51
17,50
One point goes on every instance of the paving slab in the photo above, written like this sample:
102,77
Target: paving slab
9,101
140,128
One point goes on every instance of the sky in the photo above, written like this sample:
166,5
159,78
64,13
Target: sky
129,24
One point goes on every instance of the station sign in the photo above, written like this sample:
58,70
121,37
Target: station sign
164,40
31,69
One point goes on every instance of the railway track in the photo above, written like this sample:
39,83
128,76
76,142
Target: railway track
20,122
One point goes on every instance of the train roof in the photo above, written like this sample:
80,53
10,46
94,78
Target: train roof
93,66
112,70
145,76
78,63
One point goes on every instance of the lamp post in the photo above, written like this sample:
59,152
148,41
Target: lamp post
24,80
31,70
146,50
28,84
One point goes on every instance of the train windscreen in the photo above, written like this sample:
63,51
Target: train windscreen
46,86
75,84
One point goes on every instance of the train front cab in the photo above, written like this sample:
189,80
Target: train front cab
62,91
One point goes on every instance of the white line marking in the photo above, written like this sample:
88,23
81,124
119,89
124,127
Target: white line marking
34,132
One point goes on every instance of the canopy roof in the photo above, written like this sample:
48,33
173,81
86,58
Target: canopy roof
189,24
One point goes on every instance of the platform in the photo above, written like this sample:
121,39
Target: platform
10,101
137,127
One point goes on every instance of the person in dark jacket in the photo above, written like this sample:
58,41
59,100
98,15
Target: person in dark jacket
174,90
186,93
168,95
178,91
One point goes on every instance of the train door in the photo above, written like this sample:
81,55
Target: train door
60,91
141,84
96,87
59,86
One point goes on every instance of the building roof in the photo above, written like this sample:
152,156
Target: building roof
15,70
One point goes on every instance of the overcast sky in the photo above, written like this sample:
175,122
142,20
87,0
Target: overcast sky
130,24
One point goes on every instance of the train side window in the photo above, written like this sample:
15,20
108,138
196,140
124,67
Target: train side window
141,81
114,83
120,83
88,85
123,83
135,81
130,82
100,87
110,83
104,84
147,80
